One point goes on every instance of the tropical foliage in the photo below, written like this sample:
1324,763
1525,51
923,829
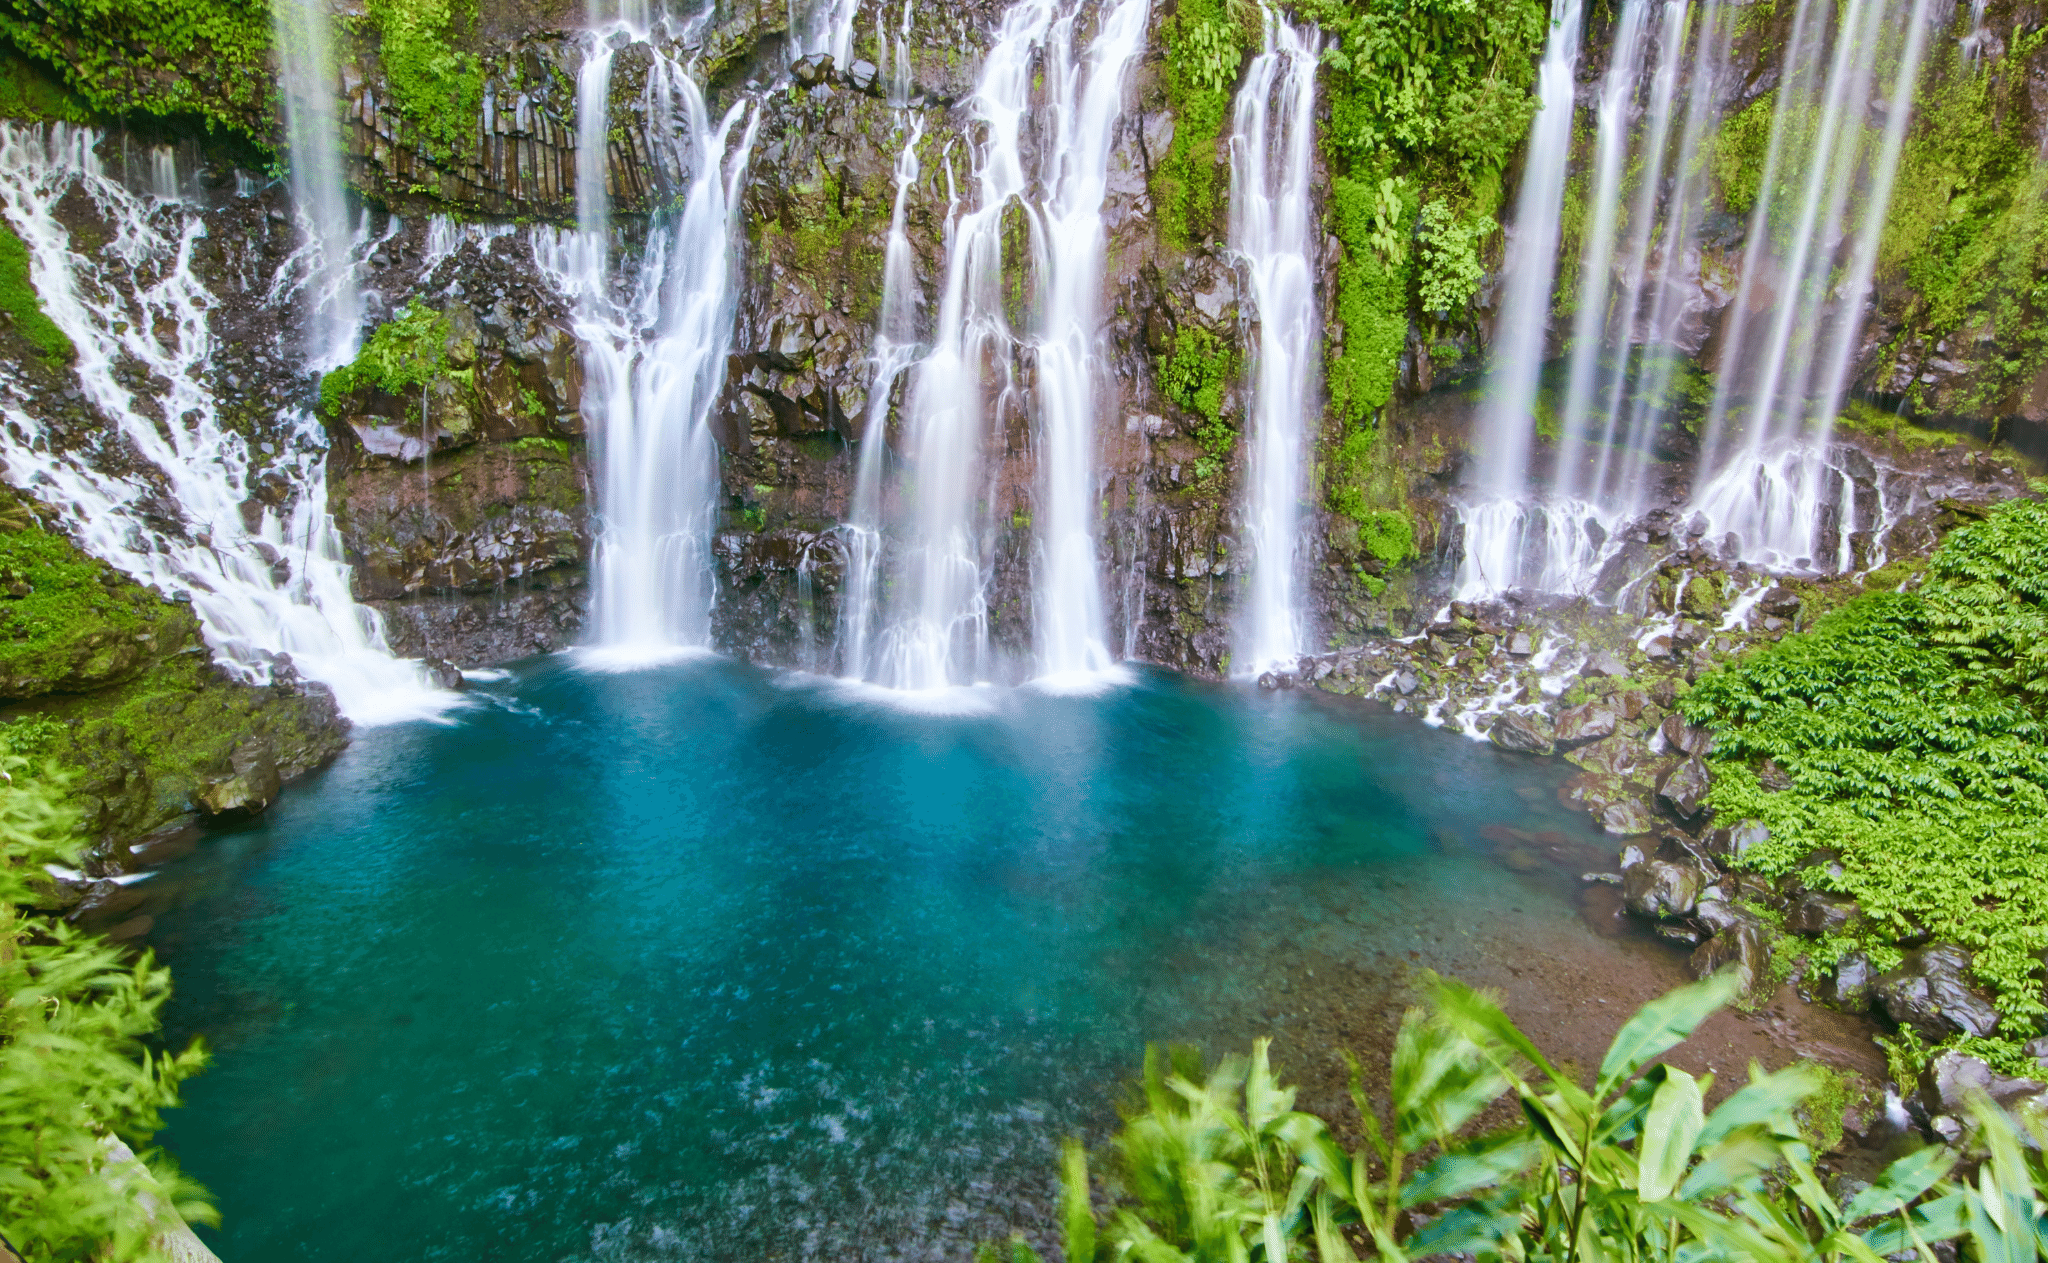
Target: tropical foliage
1221,1168
76,1076
1914,729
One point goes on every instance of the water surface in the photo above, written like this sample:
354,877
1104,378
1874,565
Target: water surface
706,962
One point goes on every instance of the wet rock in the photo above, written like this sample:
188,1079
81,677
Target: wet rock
1616,756
861,74
1684,737
1521,733
1702,598
1952,1078
1853,983
1741,947
1817,912
1521,644
1684,935
444,674
1406,683
1737,840
1625,817
1772,777
1662,888
1931,991
1683,790
1604,665
1589,722
252,786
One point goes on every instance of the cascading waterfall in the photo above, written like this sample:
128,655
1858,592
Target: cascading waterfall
1086,104
1497,522
300,27
938,636
1272,152
822,28
264,581
895,349
1630,312
654,356
1813,237
936,631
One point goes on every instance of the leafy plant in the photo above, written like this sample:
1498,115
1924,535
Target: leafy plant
438,86
400,356
1451,271
1912,728
75,1074
1223,1168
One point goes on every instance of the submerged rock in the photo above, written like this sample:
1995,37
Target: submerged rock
1931,991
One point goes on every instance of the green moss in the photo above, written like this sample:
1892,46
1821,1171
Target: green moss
1370,221
70,621
18,299
1387,535
1737,152
1867,418
1204,45
835,237
1195,372
438,86
164,57
29,90
1968,226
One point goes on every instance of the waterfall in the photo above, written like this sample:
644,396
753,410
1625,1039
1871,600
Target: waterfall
1086,104
1508,422
1631,309
1812,246
655,352
264,571
822,28
894,349
312,127
1272,154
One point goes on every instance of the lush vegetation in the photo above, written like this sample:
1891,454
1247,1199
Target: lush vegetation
1428,99
75,1071
438,85
1195,372
1914,730
1221,1167
1968,229
400,356
1206,43
23,309
208,58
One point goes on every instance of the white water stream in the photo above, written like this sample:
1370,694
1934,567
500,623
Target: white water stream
1813,236
306,82
655,346
264,581
1272,232
1086,102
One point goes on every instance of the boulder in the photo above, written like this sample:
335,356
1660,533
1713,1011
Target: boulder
1931,991
1626,817
1406,683
1520,733
1732,842
1952,1077
1683,790
1521,644
1684,737
1741,946
252,784
1818,912
1662,888
1617,755
1589,722
1773,778
1849,989
1605,664
1702,598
